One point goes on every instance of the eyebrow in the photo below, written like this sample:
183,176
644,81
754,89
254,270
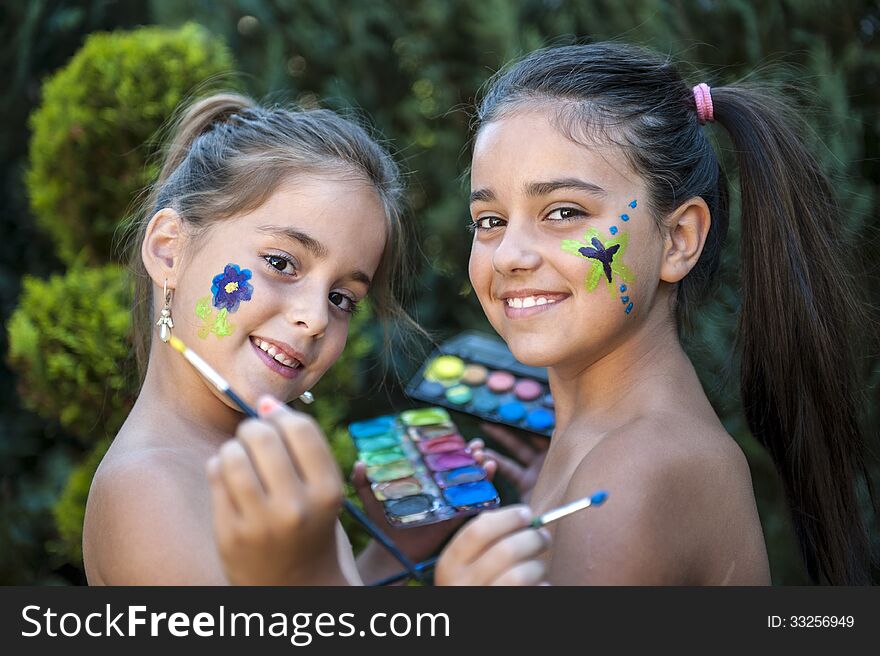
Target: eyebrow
312,245
544,188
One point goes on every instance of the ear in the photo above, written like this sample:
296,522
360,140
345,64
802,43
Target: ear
162,247
687,229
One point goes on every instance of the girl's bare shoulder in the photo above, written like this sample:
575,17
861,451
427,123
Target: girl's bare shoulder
148,517
671,483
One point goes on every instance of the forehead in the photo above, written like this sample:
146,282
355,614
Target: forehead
344,214
326,204
526,146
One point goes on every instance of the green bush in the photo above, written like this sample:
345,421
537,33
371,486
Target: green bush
88,152
69,510
69,344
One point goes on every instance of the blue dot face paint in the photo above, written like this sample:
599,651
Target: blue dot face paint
613,230
228,290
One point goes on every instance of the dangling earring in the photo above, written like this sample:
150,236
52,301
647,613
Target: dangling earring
307,397
165,323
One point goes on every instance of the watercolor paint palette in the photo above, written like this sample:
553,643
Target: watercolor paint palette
420,468
477,374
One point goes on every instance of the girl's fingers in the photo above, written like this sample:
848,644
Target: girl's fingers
476,444
520,449
491,468
540,443
270,457
489,527
359,478
507,553
240,479
505,466
311,453
225,515
361,485
530,572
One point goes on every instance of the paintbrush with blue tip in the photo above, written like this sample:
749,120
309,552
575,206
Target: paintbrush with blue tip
595,499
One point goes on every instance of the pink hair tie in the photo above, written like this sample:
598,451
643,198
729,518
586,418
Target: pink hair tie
704,102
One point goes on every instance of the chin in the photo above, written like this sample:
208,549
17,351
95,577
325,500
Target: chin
534,349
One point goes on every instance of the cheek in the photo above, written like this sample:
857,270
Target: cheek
480,269
333,345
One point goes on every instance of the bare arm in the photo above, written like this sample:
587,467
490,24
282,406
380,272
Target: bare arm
147,523
644,534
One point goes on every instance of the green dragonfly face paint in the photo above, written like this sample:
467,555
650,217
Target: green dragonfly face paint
604,257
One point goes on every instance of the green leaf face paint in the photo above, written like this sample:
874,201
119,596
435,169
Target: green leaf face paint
604,258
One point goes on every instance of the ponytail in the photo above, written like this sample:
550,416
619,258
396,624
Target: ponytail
797,380
195,121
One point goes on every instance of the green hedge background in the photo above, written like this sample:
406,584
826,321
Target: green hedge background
91,83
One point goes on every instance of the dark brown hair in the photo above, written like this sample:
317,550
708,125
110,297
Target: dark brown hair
227,155
797,375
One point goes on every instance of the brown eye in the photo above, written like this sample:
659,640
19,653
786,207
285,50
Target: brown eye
343,302
277,262
489,222
566,214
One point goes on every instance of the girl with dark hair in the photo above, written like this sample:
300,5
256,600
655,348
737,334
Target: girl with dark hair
265,230
599,210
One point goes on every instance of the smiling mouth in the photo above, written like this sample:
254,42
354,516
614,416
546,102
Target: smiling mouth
276,354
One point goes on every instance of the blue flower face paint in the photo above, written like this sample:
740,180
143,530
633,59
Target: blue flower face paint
228,290
231,287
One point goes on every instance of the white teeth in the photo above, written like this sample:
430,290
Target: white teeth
279,356
529,301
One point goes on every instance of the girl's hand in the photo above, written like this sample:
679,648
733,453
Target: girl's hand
496,548
276,492
417,543
528,457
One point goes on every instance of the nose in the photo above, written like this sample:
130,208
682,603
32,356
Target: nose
516,251
309,311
